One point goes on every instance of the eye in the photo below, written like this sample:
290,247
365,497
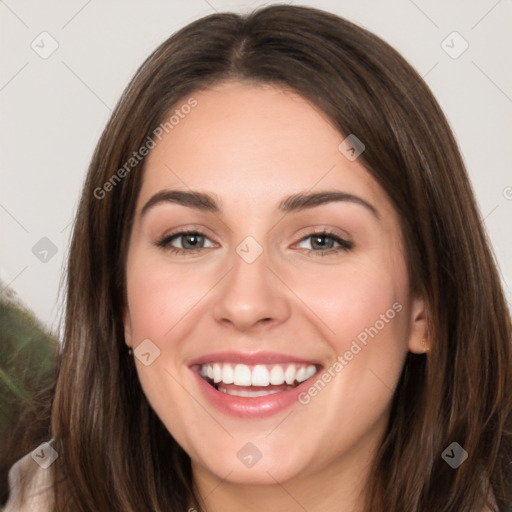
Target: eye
189,241
324,243
321,243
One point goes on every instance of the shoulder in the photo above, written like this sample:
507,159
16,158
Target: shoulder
492,502
30,487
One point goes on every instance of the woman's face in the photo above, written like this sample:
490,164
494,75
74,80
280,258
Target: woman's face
258,298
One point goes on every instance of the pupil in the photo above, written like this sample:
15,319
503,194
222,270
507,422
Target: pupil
320,241
195,242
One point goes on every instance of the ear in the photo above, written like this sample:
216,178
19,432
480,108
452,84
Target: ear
418,336
127,321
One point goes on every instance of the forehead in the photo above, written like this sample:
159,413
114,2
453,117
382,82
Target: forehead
253,143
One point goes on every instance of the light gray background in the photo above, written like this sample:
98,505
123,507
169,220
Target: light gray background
53,110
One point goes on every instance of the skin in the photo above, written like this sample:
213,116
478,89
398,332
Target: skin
252,146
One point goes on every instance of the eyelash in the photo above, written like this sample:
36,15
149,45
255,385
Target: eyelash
344,245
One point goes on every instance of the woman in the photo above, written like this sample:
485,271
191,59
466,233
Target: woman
280,294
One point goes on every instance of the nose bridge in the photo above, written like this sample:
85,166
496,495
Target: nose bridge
250,292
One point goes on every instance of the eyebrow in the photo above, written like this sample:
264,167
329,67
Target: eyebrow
295,202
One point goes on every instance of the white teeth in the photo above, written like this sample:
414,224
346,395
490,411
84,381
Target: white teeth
260,375
277,375
217,372
228,375
310,371
289,374
301,375
242,375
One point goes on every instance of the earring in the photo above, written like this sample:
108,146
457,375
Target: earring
425,348
130,351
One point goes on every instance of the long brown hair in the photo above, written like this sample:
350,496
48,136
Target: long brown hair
116,455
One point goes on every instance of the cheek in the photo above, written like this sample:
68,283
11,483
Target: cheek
159,297
364,318
357,298
160,302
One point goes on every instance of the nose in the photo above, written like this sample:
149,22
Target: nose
252,296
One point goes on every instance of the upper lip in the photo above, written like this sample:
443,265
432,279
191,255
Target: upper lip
251,358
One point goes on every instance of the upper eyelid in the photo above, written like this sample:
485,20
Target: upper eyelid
308,233
324,229
187,230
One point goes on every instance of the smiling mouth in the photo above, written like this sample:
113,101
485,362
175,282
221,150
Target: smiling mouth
256,380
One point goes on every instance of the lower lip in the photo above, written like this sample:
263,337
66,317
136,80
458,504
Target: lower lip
250,407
